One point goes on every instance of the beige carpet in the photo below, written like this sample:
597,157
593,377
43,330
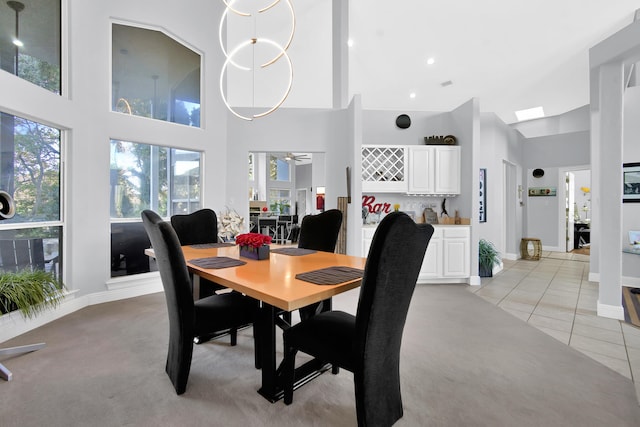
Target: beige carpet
465,362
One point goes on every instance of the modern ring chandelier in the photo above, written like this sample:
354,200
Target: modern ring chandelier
254,41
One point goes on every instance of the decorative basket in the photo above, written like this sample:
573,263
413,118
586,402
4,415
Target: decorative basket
440,140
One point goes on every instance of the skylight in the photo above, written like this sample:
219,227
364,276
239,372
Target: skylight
531,113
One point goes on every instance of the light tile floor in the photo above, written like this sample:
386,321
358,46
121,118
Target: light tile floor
555,296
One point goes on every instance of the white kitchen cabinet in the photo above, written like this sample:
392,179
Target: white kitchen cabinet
432,263
455,248
384,169
447,259
433,169
367,237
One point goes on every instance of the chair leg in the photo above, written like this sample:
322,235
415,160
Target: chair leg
233,333
335,369
288,373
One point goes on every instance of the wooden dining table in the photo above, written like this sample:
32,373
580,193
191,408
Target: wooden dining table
273,282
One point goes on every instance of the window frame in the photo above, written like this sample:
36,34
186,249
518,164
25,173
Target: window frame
61,221
175,38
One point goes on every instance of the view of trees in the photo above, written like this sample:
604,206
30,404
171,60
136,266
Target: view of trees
151,177
36,171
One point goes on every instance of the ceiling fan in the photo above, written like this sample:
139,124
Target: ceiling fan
296,157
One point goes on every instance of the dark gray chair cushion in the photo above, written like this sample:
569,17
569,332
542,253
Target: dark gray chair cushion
369,343
186,319
319,232
197,228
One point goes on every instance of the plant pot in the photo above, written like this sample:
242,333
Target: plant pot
485,271
261,252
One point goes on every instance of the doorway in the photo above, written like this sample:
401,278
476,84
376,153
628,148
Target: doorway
576,217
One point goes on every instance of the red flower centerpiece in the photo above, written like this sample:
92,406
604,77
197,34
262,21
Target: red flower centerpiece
253,245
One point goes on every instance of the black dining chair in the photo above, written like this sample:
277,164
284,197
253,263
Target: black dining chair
189,319
368,344
320,233
196,228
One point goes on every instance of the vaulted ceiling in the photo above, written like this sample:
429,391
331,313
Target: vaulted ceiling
512,55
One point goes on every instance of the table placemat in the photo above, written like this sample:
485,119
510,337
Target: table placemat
331,275
217,262
293,251
210,245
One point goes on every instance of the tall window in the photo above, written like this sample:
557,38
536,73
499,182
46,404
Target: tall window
154,76
30,159
143,176
280,201
30,41
279,169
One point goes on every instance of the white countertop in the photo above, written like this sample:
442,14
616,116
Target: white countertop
435,225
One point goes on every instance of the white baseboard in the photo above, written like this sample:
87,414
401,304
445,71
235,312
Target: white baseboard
610,311
632,282
474,281
554,248
14,324
511,257
442,281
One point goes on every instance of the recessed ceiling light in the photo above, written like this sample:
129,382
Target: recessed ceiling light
431,61
350,42
412,95
531,113
18,42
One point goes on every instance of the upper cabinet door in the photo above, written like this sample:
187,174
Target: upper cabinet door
434,169
421,169
447,170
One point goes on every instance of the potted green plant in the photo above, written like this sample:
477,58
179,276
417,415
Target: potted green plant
488,256
31,292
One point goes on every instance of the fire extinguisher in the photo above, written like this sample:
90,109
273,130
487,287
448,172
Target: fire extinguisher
320,202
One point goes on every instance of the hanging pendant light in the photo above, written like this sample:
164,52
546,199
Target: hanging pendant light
281,53
17,7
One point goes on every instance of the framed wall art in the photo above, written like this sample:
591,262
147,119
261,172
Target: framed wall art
482,208
631,183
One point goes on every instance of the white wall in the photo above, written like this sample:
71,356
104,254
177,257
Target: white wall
499,144
84,111
550,153
303,176
542,221
608,62
380,127
308,130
